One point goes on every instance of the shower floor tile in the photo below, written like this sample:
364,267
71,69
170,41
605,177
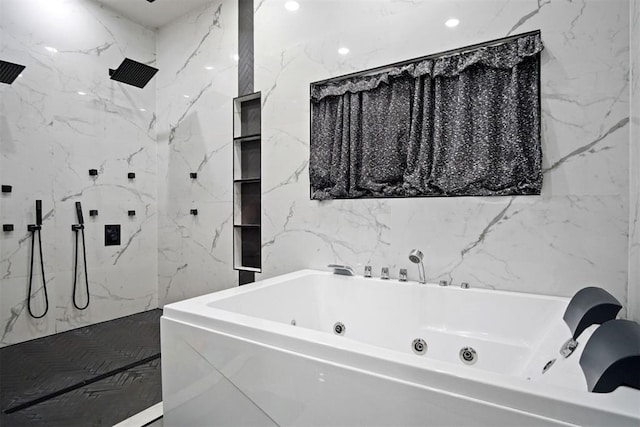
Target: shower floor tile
103,403
92,364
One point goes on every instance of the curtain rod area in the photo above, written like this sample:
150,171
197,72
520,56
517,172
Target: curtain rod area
422,58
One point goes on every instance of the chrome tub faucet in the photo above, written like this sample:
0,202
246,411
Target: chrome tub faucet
343,270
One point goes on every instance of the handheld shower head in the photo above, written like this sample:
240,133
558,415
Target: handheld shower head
38,212
415,256
79,213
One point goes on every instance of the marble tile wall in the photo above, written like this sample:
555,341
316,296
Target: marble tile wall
634,166
575,234
50,136
196,86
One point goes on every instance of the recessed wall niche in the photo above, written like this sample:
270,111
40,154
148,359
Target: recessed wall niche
247,183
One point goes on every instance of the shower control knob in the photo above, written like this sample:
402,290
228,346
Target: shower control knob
367,271
384,273
403,275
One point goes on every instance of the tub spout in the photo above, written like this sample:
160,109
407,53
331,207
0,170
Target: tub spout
343,270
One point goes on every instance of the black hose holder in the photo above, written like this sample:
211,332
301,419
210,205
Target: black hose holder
611,357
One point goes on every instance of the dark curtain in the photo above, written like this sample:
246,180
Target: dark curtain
460,125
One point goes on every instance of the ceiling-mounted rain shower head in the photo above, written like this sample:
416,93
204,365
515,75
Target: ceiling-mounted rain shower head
9,71
133,73
415,256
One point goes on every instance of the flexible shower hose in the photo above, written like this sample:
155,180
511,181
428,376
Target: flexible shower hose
44,280
75,269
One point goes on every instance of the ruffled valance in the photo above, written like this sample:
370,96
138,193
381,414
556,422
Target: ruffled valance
503,55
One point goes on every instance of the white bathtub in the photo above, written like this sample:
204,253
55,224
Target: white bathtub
234,357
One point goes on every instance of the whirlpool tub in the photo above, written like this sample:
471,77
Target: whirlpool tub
313,348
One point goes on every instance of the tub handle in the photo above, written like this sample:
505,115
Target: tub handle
611,357
590,306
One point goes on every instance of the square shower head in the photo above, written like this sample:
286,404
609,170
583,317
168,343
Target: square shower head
133,73
9,71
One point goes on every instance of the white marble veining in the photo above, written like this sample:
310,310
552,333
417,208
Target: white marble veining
196,84
634,166
582,230
573,235
61,118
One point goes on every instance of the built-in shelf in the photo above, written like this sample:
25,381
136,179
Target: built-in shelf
247,138
246,180
247,188
245,268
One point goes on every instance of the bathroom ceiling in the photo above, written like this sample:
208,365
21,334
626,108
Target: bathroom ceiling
153,15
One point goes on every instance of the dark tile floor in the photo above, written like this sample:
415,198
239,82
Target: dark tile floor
97,375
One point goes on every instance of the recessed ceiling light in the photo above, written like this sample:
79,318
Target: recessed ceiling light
186,96
292,6
81,93
208,67
51,49
453,22
236,57
142,109
343,50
